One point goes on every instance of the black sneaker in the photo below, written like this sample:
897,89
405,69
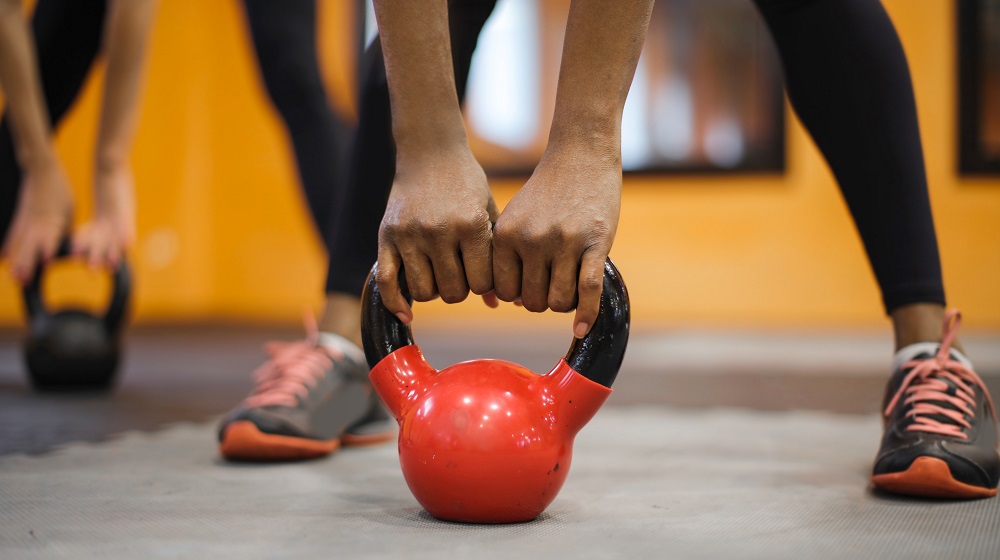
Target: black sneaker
311,398
940,437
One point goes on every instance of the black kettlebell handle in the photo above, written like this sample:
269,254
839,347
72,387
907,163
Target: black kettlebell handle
597,356
113,318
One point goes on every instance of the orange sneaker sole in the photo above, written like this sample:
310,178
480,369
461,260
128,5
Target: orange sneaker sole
929,477
243,441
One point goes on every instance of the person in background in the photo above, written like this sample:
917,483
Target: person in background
312,396
42,69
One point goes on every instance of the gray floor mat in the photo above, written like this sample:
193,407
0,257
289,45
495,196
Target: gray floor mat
646,482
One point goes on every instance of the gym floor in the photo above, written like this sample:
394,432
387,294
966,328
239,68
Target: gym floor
714,445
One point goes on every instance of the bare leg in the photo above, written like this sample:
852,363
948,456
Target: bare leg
919,322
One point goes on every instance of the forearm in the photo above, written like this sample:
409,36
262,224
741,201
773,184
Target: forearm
22,88
417,50
125,39
600,53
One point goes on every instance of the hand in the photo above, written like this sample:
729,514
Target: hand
42,219
438,227
551,241
104,240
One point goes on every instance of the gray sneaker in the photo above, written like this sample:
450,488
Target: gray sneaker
312,397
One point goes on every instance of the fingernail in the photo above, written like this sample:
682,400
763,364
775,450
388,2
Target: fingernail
580,330
403,317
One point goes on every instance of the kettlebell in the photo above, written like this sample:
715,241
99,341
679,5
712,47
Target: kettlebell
490,441
72,349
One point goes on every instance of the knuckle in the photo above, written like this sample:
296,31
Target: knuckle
535,305
561,303
472,226
454,296
502,235
421,292
384,276
591,283
530,240
505,293
480,286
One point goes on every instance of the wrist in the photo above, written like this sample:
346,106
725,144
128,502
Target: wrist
39,159
418,140
428,146
106,163
593,137
584,150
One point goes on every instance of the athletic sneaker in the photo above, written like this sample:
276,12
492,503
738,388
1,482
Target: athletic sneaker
940,436
311,398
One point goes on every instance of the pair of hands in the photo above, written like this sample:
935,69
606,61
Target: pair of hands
44,217
546,250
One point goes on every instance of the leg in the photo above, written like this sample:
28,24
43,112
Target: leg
276,422
68,38
310,394
871,141
355,245
850,85
284,38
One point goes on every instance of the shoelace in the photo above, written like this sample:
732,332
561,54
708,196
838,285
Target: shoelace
291,370
926,385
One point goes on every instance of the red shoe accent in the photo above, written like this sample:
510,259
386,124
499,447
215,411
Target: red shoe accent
929,477
242,441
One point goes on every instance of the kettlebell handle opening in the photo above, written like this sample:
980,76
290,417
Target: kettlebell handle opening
113,319
597,356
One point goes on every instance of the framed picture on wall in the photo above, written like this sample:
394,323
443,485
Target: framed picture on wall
707,94
979,87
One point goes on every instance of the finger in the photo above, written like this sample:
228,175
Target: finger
562,286
477,256
95,250
419,276
490,299
491,210
589,287
535,284
49,246
7,247
387,277
80,241
506,273
449,276
114,256
110,251
25,260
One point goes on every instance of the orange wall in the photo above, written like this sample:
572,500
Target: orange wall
223,232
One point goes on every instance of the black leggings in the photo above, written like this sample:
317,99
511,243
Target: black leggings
284,38
68,37
354,245
849,83
346,200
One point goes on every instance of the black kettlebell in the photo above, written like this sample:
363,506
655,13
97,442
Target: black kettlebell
73,350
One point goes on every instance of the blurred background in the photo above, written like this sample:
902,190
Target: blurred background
730,218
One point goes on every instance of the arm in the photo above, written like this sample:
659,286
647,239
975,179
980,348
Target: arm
555,258
113,227
437,224
44,203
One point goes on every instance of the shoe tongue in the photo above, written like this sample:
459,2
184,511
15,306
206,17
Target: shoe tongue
922,351
336,343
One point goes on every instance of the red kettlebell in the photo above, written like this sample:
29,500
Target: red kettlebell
489,441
